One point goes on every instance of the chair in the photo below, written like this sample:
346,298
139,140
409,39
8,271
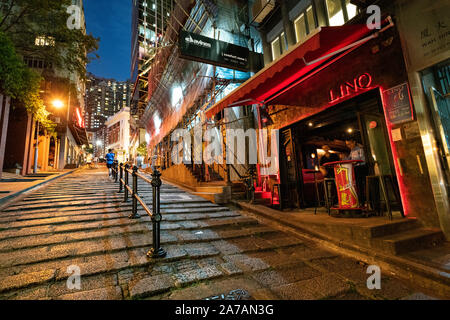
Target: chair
317,197
329,184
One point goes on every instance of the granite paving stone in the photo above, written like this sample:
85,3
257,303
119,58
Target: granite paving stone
81,221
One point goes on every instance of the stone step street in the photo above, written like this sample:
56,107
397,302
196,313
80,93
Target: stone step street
80,222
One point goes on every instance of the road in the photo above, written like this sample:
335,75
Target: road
79,222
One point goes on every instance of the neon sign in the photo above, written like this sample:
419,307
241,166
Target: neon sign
80,119
363,82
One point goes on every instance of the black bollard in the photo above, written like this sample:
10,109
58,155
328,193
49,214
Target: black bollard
134,214
125,189
156,251
121,177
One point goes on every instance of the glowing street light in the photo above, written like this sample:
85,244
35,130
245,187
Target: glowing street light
58,104
99,142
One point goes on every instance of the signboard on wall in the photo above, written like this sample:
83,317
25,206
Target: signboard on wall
398,104
425,28
203,49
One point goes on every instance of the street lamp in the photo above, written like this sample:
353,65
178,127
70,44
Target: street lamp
58,104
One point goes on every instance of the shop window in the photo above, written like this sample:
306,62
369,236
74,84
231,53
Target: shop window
340,11
305,24
443,76
279,46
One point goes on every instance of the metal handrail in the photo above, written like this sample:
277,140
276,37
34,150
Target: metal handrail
155,213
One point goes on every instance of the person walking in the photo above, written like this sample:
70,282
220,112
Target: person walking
110,161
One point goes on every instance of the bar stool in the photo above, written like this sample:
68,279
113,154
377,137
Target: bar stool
316,189
328,184
381,184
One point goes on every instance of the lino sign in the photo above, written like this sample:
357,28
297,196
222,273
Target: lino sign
350,88
203,49
398,104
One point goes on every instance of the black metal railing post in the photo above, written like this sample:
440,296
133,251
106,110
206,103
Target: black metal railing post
120,178
134,214
125,198
251,184
156,251
116,169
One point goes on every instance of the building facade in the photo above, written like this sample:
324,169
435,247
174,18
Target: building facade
149,21
184,86
424,28
330,78
64,148
118,134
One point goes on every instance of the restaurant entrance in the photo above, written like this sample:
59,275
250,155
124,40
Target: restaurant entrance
327,136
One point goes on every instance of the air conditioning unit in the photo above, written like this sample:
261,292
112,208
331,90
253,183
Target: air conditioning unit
261,8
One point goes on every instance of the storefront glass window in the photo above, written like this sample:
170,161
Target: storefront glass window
335,12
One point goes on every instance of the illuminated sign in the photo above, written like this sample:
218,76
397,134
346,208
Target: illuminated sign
207,50
363,82
80,119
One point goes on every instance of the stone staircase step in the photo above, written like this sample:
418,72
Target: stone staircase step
409,240
394,227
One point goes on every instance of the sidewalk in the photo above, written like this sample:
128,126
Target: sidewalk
12,185
371,240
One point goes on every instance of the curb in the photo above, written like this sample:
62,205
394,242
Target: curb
10,197
428,277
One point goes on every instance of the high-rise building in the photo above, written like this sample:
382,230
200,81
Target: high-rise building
149,20
104,98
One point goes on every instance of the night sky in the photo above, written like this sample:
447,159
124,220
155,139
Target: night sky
111,21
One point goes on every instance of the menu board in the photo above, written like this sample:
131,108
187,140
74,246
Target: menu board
398,104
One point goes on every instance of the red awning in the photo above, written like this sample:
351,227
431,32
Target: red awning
293,65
